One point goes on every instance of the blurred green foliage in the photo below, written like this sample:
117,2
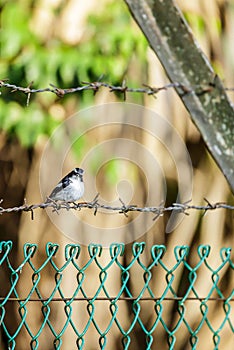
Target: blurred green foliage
110,42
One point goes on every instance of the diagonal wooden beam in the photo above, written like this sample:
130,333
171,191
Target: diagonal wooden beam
205,98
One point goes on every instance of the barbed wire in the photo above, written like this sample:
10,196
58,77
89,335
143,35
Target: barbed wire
97,85
121,209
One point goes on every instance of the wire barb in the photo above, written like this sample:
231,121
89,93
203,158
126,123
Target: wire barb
121,209
123,88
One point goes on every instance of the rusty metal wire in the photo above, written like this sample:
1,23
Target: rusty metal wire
121,209
97,85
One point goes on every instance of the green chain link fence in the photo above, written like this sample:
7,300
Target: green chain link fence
115,298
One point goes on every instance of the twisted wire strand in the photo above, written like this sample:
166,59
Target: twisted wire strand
97,85
121,209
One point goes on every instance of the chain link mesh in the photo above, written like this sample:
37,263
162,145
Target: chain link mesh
150,295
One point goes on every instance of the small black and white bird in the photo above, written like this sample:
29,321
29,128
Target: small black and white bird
70,188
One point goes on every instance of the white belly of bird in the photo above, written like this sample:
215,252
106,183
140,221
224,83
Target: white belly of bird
71,193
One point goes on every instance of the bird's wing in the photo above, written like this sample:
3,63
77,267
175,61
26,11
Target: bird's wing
60,186
56,190
65,181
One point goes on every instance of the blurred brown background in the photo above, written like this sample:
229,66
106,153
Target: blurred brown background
65,43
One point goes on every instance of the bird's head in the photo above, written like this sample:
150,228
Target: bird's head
77,173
